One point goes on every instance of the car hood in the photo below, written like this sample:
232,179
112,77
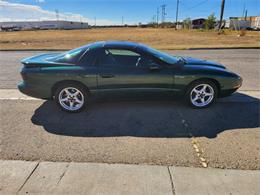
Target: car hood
200,62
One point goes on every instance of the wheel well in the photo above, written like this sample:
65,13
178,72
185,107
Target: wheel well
56,85
206,79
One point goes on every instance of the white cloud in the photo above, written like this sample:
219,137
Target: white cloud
22,12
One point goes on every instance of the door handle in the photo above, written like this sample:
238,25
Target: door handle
107,76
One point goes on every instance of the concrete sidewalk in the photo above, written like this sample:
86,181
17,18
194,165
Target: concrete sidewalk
21,177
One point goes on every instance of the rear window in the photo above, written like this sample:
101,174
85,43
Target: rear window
72,56
69,57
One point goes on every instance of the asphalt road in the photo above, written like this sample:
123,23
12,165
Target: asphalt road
134,131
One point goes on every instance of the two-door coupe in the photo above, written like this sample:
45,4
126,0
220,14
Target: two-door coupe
117,66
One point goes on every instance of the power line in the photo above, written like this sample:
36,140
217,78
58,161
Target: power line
199,4
188,9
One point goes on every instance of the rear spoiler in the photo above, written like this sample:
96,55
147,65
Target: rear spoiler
41,61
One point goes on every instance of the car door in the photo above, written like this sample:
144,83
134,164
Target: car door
88,70
124,70
115,69
152,75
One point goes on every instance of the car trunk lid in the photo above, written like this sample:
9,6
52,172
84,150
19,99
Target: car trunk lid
42,60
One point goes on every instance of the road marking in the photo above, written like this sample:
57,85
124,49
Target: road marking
199,151
240,96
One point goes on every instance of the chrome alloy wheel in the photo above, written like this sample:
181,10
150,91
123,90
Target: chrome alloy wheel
202,95
71,99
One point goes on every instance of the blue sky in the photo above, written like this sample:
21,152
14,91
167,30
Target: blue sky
111,11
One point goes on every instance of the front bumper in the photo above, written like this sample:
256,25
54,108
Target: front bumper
235,86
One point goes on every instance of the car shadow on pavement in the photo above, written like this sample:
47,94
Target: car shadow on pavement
151,118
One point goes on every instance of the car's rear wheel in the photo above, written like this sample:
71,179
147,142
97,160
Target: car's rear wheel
201,94
71,97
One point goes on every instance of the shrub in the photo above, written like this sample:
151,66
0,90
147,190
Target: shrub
210,22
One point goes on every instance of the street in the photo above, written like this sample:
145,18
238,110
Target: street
137,131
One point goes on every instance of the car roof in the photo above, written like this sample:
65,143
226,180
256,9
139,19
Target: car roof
117,44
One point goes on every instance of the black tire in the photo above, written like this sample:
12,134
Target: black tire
83,92
195,84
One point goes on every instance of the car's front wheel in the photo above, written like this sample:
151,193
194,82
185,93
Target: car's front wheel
201,94
71,97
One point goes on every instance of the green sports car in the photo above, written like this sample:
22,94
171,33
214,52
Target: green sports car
117,66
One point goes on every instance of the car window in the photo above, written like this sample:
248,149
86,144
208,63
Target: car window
118,58
145,62
88,58
104,58
122,52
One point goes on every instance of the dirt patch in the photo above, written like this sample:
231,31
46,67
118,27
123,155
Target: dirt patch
158,38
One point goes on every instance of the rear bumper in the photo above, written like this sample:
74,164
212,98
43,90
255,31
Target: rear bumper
32,91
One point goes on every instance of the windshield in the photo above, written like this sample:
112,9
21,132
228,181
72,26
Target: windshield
164,56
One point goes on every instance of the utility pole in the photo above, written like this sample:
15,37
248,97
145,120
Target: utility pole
154,19
57,14
221,14
157,17
243,15
122,20
163,13
246,15
177,13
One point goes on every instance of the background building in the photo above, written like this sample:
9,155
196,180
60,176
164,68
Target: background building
198,23
42,25
237,23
